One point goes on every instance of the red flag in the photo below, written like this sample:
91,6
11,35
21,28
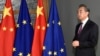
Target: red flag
7,30
39,32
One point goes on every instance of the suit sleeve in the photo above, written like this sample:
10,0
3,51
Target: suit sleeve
75,37
93,38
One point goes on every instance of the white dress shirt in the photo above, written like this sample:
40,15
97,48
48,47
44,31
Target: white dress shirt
84,22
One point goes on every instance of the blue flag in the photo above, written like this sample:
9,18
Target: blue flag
24,33
54,42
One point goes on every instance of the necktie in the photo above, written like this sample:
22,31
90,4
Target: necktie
80,29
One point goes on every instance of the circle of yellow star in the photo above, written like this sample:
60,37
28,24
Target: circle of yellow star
44,47
29,54
24,22
49,53
53,21
11,29
62,50
31,23
39,11
17,25
48,25
14,49
59,23
6,12
43,28
38,27
55,53
20,54
4,28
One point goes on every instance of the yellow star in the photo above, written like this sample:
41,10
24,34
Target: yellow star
62,50
20,54
38,27
24,22
48,25
11,29
59,23
6,12
14,49
17,25
4,28
43,28
53,21
29,54
50,53
44,47
55,53
39,11
31,23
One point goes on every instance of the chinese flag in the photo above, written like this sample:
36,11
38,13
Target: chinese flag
7,30
39,31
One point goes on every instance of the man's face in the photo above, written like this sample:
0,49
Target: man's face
82,13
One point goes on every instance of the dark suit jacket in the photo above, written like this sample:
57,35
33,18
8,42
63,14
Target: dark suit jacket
87,39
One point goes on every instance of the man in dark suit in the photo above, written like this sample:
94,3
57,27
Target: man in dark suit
86,34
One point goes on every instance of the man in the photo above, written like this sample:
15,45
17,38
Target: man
86,34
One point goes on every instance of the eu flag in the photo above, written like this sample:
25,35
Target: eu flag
54,42
24,33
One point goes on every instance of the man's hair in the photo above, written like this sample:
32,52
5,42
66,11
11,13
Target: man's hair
86,8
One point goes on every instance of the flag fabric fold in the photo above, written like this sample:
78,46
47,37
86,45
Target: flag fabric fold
39,30
24,32
54,44
7,30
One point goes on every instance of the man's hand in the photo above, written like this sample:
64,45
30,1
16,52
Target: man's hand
75,43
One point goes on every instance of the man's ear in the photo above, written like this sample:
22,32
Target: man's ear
87,13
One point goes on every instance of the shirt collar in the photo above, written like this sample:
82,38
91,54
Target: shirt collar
84,22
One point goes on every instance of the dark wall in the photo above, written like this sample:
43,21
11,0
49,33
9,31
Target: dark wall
67,12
